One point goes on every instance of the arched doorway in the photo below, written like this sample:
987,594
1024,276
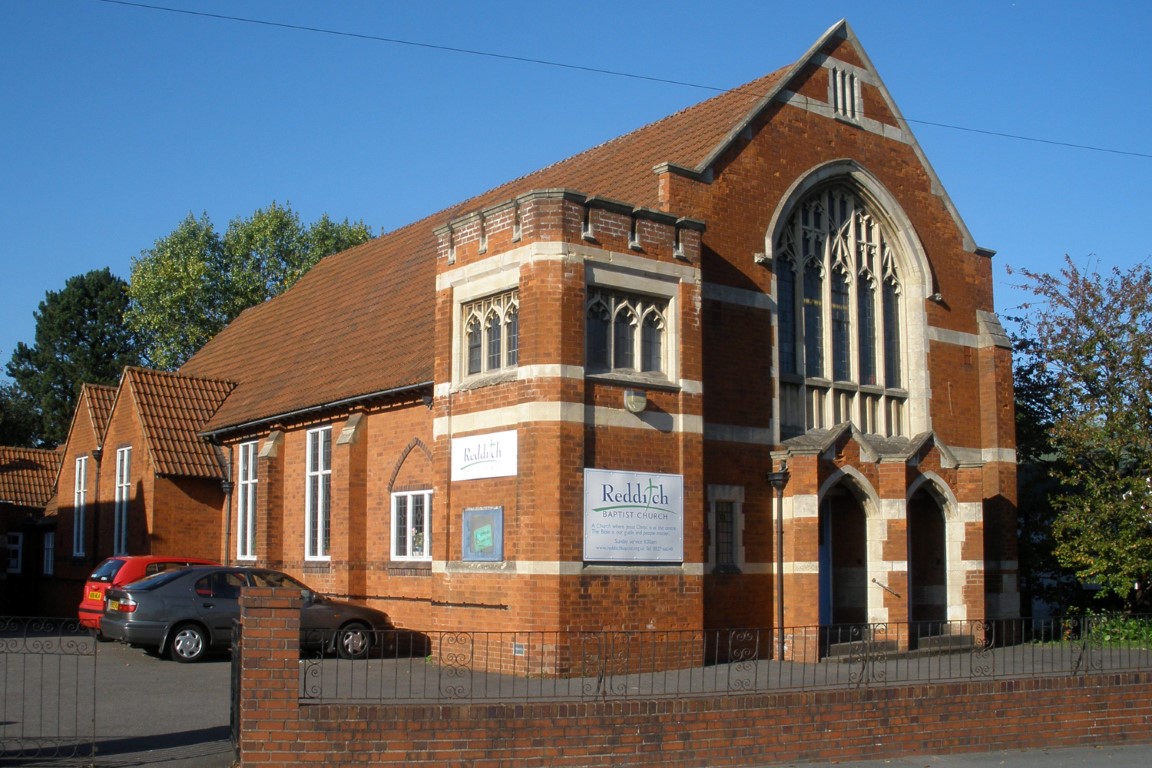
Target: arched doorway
927,565
843,562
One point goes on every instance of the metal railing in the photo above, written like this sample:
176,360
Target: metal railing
523,666
48,687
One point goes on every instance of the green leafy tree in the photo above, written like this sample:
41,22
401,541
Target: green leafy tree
1042,577
81,338
1093,341
193,282
19,419
176,304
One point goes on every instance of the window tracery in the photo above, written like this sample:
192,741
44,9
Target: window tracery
840,309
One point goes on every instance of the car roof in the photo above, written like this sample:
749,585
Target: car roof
161,559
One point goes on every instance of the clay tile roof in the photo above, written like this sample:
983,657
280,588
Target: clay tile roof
172,410
622,169
27,475
361,321
100,399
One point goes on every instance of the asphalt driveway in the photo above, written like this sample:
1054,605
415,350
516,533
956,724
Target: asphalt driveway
151,711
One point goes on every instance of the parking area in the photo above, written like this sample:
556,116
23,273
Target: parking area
148,711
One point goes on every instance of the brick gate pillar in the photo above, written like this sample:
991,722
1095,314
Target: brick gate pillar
269,677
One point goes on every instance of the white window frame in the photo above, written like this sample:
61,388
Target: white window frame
733,494
79,506
404,542
246,487
15,547
123,499
318,495
48,567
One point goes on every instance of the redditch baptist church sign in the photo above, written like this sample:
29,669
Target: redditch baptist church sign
633,517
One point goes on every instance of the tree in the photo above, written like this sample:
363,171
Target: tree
193,282
1093,339
175,304
1043,579
19,419
80,338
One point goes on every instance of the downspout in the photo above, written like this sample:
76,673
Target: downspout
97,454
226,485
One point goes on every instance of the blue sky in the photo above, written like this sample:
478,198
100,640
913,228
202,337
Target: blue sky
116,120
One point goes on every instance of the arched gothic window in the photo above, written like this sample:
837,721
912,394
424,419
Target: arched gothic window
492,333
625,332
834,269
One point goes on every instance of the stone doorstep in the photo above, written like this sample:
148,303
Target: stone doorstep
932,645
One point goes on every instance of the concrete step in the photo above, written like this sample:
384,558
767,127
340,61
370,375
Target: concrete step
930,645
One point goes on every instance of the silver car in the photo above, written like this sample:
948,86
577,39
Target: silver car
189,612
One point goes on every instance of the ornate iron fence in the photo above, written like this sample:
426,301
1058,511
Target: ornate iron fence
522,666
48,677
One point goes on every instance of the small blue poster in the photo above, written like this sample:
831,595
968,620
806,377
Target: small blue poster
483,532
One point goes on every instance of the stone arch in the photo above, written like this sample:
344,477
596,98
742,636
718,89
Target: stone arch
917,280
935,537
849,509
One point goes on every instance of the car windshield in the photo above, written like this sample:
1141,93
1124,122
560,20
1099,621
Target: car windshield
156,579
106,570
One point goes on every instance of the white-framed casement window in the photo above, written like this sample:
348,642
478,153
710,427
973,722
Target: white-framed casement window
79,505
318,489
48,567
840,311
626,332
491,335
412,525
15,544
246,501
123,498
726,528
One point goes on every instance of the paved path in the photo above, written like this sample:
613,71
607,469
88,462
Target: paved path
148,711
1106,756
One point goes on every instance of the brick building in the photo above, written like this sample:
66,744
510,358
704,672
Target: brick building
26,477
135,478
557,404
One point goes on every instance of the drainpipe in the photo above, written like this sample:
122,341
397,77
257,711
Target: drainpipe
226,485
778,480
97,454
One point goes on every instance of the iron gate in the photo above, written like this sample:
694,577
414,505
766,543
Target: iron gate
48,682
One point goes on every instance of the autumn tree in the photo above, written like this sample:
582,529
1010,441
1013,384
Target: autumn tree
81,337
1093,341
194,281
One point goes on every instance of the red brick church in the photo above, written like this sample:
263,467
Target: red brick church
559,403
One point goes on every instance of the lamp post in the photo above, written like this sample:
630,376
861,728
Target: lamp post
778,479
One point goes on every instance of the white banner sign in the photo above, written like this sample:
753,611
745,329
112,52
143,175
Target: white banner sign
479,456
633,517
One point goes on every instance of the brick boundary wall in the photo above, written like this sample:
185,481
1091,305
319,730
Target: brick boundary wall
712,730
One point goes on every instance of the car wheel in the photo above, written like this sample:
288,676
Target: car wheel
353,641
189,643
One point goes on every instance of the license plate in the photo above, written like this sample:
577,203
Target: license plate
94,595
113,605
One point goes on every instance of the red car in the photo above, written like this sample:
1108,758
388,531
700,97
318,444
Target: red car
120,570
